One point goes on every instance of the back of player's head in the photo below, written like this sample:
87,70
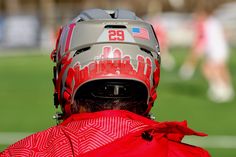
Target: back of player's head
106,57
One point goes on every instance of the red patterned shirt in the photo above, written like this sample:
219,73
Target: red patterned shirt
108,133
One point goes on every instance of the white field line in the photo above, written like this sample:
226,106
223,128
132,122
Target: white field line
15,52
7,138
22,53
216,141
212,141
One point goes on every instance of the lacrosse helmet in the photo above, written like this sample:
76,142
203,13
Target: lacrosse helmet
112,51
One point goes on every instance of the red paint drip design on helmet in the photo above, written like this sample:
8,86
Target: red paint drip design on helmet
153,93
113,64
156,74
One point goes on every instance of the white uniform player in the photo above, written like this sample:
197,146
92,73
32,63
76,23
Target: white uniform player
217,49
216,55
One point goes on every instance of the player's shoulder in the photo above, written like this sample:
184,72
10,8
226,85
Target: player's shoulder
171,135
36,142
163,140
174,132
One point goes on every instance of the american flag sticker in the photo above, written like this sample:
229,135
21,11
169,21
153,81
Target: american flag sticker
138,32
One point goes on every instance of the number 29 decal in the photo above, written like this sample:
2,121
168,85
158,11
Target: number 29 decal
116,35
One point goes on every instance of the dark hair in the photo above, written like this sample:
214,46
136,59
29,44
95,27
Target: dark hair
113,94
94,105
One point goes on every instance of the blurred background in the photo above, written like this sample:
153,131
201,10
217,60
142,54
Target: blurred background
191,85
36,21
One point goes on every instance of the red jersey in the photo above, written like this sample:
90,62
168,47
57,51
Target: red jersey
109,133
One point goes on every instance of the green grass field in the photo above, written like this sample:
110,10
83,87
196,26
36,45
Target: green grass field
27,106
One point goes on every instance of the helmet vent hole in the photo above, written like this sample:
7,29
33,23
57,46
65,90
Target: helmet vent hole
81,50
115,26
147,51
113,15
80,20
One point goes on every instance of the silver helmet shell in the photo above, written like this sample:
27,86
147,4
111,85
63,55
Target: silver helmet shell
100,45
